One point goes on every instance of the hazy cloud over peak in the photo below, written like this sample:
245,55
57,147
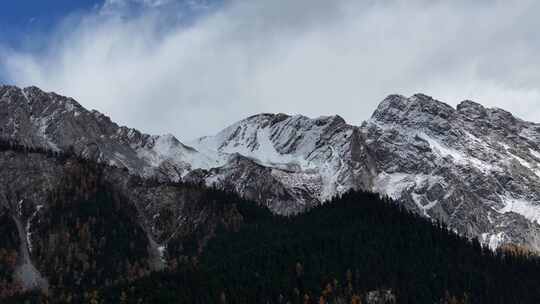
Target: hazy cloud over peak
191,68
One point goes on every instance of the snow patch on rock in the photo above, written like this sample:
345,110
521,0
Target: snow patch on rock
42,124
493,241
26,273
526,208
458,156
396,184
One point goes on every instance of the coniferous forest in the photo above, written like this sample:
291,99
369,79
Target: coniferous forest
339,253
358,248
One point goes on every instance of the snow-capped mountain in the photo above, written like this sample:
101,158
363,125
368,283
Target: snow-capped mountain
477,169
310,160
36,118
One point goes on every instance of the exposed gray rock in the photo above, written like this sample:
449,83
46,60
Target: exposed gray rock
475,168
168,213
307,160
35,118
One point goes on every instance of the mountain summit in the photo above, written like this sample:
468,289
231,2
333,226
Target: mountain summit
477,169
36,118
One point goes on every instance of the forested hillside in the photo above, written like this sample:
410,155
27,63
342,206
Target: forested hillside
87,232
354,248
357,248
351,249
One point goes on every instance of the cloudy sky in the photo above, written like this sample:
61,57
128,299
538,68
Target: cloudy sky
191,67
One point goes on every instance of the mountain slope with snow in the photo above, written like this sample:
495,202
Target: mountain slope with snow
475,168
36,118
314,158
471,167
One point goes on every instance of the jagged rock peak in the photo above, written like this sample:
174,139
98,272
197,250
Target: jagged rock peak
475,110
283,132
8,87
9,93
391,104
271,119
419,108
31,97
276,128
335,119
469,106
40,119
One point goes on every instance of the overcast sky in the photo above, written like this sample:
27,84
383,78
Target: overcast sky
192,67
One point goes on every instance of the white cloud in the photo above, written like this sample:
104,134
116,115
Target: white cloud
314,57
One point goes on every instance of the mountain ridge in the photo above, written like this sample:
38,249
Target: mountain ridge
475,168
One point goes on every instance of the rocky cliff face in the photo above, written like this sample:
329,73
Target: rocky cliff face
474,168
36,118
477,169
303,161
67,221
